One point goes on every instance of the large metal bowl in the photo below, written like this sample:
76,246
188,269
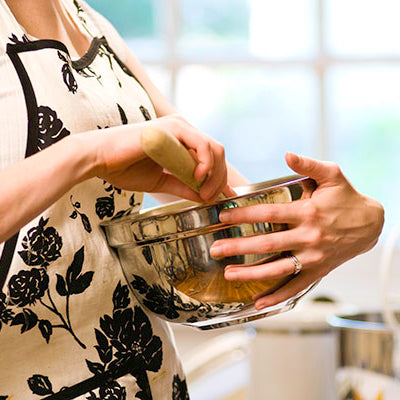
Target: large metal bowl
164,253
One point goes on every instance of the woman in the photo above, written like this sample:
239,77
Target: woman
73,103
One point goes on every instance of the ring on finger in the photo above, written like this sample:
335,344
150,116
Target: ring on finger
298,266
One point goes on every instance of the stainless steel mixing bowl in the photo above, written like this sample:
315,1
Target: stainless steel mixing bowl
164,253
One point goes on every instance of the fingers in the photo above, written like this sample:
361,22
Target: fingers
210,156
229,191
279,213
272,270
259,244
320,171
171,185
218,175
299,283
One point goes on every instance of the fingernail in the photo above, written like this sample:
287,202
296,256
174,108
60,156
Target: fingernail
224,216
230,191
216,250
294,156
259,305
231,275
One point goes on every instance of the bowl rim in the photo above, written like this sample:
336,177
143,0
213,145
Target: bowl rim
182,206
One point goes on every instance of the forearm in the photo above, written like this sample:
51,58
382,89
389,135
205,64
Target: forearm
32,185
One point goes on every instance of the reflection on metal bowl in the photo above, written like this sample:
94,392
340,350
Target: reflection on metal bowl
365,342
164,253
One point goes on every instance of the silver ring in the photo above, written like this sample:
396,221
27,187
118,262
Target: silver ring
298,266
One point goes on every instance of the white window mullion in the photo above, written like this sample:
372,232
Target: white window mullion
321,67
172,26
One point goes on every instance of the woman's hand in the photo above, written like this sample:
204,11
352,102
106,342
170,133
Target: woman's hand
333,225
113,154
122,162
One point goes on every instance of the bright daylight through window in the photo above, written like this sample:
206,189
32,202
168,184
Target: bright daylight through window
317,77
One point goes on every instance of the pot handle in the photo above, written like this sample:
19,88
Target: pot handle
390,300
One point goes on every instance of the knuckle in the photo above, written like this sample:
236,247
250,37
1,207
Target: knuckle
265,244
309,211
315,237
335,170
318,257
220,150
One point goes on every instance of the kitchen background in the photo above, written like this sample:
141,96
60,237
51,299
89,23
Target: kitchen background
316,77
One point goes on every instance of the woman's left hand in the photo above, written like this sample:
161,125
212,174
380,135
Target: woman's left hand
333,225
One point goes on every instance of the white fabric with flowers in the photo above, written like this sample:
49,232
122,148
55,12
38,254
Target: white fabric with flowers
69,327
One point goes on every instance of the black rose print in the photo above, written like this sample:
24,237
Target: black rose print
83,217
51,128
41,245
112,391
27,287
68,75
179,389
6,315
145,113
105,206
40,385
126,338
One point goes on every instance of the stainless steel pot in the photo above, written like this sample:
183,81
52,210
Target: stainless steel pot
365,342
164,253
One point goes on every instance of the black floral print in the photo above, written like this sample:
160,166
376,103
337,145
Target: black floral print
6,315
51,128
3,397
40,385
83,217
167,303
27,287
145,113
105,206
68,76
179,389
126,337
122,113
14,39
41,245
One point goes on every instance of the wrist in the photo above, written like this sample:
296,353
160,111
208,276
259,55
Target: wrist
84,154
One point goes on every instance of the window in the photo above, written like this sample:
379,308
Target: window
318,77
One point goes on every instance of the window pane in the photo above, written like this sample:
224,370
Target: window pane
131,18
363,27
365,123
139,22
257,113
265,28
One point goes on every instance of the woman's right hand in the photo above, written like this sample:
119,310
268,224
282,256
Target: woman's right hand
113,154
121,161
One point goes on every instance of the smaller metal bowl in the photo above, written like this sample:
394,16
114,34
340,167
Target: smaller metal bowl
164,253
365,342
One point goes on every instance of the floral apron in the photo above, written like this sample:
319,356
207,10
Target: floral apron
69,327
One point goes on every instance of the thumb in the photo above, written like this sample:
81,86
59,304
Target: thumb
320,171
